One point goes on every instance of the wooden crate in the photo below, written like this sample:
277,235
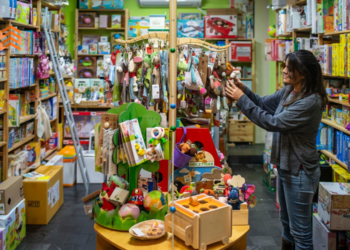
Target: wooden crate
196,229
241,131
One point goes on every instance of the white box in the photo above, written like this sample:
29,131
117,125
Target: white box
323,239
104,39
83,49
157,22
95,177
69,173
53,104
334,205
11,226
57,160
103,21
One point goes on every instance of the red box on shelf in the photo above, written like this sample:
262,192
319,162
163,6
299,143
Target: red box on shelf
220,26
240,51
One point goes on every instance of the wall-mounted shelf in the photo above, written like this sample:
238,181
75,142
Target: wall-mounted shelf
22,142
48,97
3,80
26,87
336,126
334,157
330,76
24,119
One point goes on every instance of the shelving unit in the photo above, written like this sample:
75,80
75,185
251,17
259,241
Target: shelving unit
4,114
334,157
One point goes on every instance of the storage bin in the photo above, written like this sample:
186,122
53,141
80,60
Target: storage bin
95,177
69,165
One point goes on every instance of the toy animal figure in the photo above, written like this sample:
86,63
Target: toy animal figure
43,70
165,75
219,72
193,80
231,71
184,147
147,81
233,199
106,192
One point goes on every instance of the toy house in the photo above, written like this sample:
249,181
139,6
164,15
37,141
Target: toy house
196,216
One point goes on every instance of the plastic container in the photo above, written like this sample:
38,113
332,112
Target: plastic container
69,165
95,177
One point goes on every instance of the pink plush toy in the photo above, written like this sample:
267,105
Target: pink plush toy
43,70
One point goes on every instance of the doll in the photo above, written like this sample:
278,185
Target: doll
192,79
233,199
43,70
147,79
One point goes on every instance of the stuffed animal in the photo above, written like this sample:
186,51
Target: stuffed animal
184,147
233,199
231,71
193,80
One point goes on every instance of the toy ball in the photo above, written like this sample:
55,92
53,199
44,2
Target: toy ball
172,209
154,201
173,105
129,211
272,31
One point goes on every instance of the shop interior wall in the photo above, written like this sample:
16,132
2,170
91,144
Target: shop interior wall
263,18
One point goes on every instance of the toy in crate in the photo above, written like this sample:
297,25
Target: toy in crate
220,26
195,216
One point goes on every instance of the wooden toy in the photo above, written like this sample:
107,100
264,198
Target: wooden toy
86,19
119,196
204,184
193,201
195,225
240,216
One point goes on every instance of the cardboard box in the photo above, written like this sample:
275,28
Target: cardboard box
45,196
11,193
340,174
13,227
240,51
323,239
57,160
211,12
334,205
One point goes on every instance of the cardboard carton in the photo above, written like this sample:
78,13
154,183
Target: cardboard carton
11,193
334,205
323,239
13,227
44,196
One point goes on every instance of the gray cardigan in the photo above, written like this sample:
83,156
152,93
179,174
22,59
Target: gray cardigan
294,128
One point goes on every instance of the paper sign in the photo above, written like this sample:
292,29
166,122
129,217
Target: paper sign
155,91
138,232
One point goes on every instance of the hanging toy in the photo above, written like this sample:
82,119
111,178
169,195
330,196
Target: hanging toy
219,71
164,71
157,134
231,71
156,88
192,79
147,79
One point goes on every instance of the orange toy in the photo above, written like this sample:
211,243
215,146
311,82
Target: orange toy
184,147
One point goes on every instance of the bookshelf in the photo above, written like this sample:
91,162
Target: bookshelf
4,115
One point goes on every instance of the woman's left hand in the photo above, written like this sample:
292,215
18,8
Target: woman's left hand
233,92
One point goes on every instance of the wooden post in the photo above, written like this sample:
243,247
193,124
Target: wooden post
172,60
172,69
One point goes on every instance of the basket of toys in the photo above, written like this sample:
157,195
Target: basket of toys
182,152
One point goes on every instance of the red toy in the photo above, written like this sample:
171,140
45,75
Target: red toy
136,197
220,26
227,186
106,192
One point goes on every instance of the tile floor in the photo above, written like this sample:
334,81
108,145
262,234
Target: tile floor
71,229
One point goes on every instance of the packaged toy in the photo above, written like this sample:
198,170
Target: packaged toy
13,226
104,48
85,122
97,88
97,4
240,51
220,26
14,110
103,21
53,107
43,67
138,27
83,88
86,19
83,49
33,154
116,21
23,12
190,28
99,68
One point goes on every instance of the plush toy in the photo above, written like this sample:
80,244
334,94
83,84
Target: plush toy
233,199
184,147
62,65
219,72
156,79
43,70
231,71
147,72
193,80
181,67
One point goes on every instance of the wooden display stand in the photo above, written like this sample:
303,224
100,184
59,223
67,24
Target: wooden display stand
241,131
240,217
107,239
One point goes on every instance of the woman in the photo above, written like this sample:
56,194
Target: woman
293,114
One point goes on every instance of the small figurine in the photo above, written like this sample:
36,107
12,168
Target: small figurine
233,199
136,197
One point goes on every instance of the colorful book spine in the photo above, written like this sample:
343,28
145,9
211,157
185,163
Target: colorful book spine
340,15
346,55
325,63
333,59
320,26
342,55
330,61
336,15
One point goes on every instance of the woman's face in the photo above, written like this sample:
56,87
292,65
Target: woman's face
291,78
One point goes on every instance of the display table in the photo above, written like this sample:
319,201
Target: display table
107,239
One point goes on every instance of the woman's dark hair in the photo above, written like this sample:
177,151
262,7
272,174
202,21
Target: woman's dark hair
306,64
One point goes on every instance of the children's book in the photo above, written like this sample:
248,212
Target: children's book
14,110
133,142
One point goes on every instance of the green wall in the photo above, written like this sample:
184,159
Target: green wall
135,10
272,89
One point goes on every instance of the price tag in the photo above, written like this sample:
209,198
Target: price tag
155,92
138,232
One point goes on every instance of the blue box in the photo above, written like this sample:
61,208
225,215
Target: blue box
321,138
190,28
339,145
98,4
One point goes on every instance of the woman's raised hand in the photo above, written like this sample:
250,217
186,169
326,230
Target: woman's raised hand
233,92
